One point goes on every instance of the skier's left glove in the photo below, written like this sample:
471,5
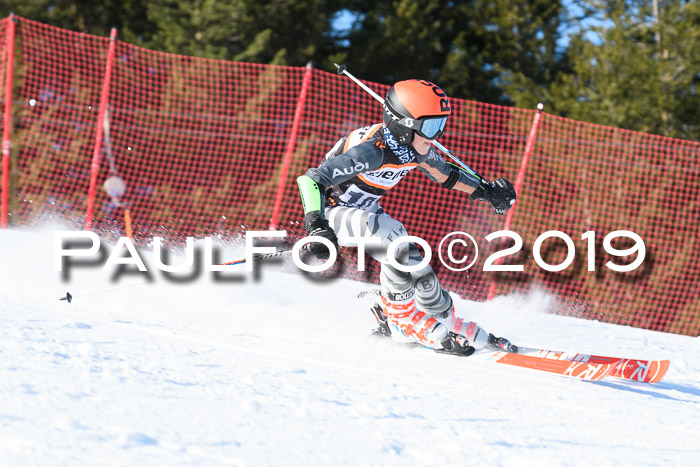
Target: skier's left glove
320,228
500,194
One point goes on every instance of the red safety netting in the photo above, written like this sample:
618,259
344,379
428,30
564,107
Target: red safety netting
202,147
57,84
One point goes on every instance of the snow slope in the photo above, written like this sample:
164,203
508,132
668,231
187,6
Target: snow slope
281,370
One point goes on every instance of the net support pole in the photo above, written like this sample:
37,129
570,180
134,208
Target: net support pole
99,128
7,120
289,150
519,181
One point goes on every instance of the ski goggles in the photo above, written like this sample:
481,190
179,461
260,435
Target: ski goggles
427,127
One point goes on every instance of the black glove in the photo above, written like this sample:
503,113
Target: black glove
320,228
500,194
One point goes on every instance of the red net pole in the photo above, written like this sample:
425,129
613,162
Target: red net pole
519,181
10,54
291,144
99,126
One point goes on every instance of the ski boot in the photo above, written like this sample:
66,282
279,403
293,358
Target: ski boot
456,345
501,343
383,329
409,325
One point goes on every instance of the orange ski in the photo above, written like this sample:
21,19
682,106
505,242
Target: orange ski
575,369
643,371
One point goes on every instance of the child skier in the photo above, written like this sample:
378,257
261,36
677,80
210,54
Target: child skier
341,198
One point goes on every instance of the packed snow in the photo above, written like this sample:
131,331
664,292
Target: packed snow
277,368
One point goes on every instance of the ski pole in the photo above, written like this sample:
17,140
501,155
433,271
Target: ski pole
260,256
343,70
257,257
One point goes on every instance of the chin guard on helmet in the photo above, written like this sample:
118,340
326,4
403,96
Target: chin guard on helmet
402,133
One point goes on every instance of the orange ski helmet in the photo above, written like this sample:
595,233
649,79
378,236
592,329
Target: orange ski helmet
416,106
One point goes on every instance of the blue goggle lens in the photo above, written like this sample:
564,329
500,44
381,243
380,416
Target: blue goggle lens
432,127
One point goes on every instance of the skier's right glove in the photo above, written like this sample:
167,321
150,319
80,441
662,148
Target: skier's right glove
501,194
320,228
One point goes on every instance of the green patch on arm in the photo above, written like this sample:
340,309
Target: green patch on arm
311,196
